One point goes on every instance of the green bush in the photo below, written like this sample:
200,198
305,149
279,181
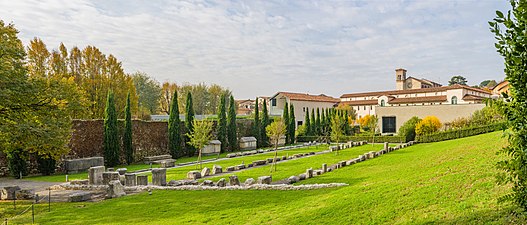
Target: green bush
46,165
378,139
460,133
16,162
407,130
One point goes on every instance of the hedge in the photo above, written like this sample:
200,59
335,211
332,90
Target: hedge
378,139
460,133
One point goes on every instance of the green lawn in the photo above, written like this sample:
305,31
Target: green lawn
449,182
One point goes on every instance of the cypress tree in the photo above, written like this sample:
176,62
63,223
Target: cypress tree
174,128
317,121
189,119
111,133
264,124
292,125
347,130
256,125
285,118
323,122
222,124
127,139
307,123
313,123
231,126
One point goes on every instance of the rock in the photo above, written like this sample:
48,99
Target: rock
109,176
142,180
259,162
311,153
122,171
249,181
342,163
265,180
302,176
221,182
230,168
284,157
79,197
293,179
217,169
317,172
167,163
174,183
122,179
95,175
230,155
159,176
130,179
207,183
205,172
25,194
329,169
270,160
240,167
233,180
193,175
309,173
115,189
110,170
80,182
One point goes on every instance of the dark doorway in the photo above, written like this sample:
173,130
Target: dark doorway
388,124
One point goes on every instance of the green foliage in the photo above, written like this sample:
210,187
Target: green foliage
275,131
457,80
231,126
292,124
265,122
200,136
174,128
127,139
318,125
189,121
337,131
459,133
307,124
487,115
313,129
510,34
407,130
256,125
427,125
222,124
111,133
148,93
285,118
46,164
16,162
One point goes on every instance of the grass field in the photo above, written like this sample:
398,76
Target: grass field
449,182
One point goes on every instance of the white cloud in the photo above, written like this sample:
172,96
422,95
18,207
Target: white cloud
258,48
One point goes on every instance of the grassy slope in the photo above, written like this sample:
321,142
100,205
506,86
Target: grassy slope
445,182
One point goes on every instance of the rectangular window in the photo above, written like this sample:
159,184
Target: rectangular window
299,123
273,102
388,124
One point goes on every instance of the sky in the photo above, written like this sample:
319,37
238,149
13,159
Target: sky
257,48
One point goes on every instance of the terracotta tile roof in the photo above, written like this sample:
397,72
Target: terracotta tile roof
412,91
472,97
360,102
308,97
441,98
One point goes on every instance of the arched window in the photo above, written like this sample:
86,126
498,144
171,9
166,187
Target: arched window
454,100
383,102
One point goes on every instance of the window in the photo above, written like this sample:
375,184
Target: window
371,107
454,100
299,123
304,109
273,102
388,124
383,103
364,107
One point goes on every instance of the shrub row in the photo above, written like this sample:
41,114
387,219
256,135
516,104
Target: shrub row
460,133
378,139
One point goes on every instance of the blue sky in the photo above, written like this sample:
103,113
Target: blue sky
256,48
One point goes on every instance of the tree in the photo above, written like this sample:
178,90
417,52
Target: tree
189,121
428,125
292,124
373,124
264,124
510,35
167,91
231,125
407,130
337,123
148,92
127,139
174,128
275,131
318,123
200,136
307,123
285,118
256,125
347,128
38,56
313,123
457,80
488,83
111,133
222,124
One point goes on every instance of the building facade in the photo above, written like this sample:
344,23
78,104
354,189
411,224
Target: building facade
301,102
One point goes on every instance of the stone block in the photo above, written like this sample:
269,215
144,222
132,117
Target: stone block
221,182
130,179
386,146
309,173
293,179
302,176
205,172
79,197
265,180
270,160
233,180
324,167
284,157
110,176
167,163
207,183
152,159
230,168
122,171
80,182
95,175
230,155
122,179
259,162
115,189
249,181
240,167
25,194
217,169
159,176
83,164
193,175
142,180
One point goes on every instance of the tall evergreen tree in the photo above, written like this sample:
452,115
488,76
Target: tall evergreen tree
265,122
285,118
307,123
292,125
231,125
256,125
222,124
127,139
189,122
317,121
347,128
323,122
313,123
111,132
174,128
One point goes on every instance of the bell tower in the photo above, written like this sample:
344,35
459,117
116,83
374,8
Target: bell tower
400,78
